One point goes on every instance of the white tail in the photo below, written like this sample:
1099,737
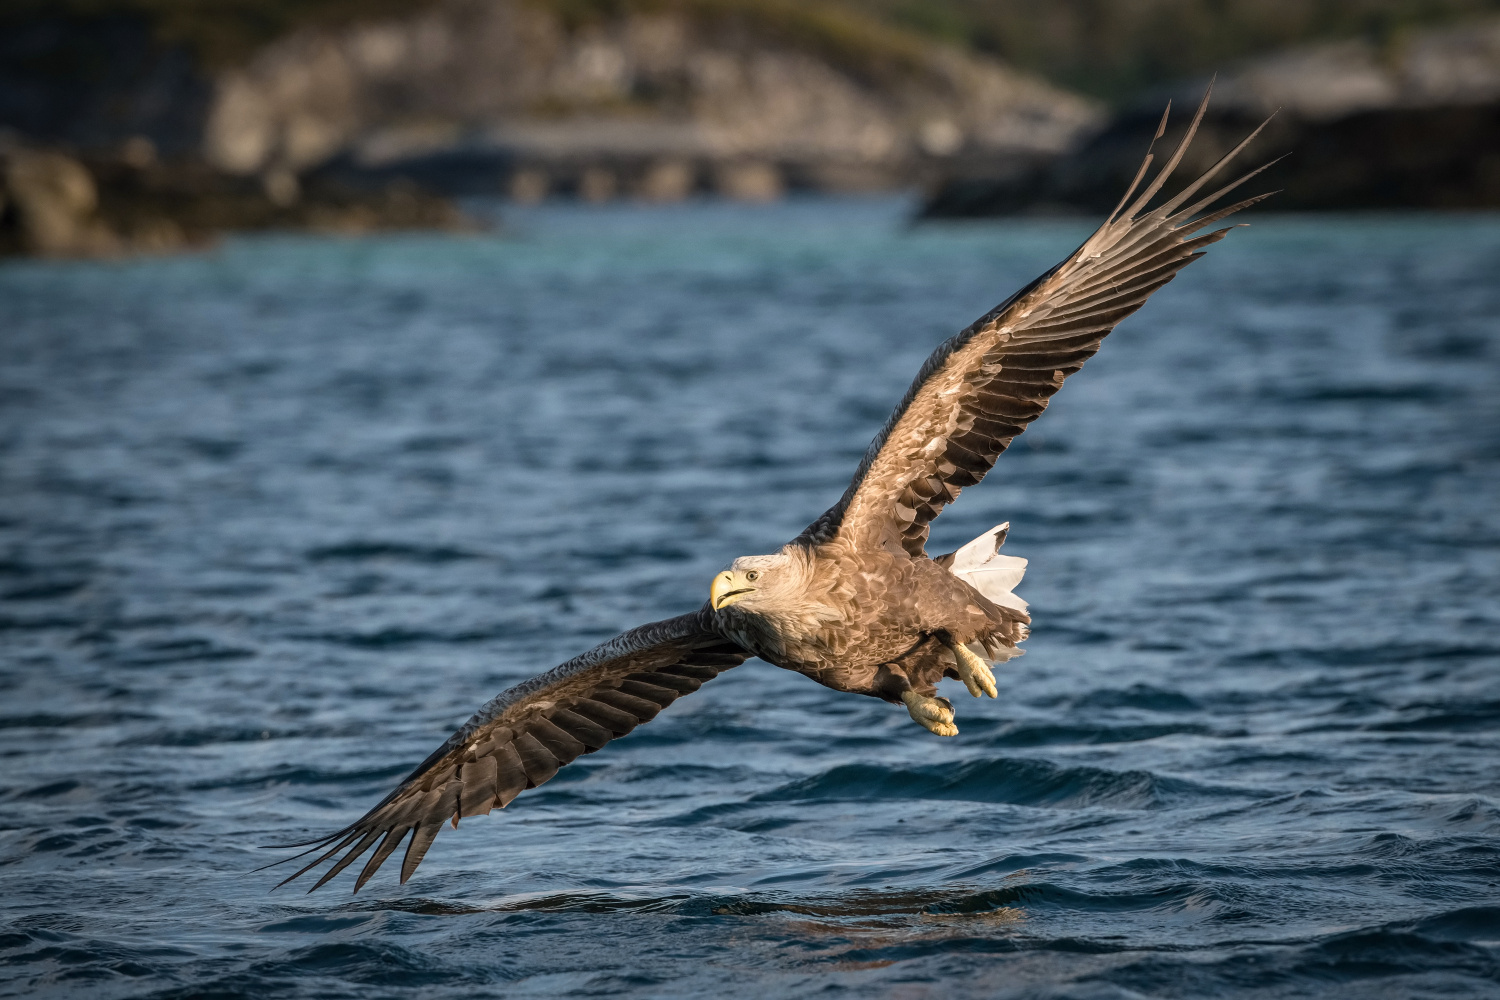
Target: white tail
980,565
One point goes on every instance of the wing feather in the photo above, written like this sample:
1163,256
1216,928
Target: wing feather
984,386
520,739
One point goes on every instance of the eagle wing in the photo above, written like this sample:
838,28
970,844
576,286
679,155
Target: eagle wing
982,387
523,736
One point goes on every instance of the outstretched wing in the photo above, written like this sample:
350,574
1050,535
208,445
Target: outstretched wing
981,388
520,738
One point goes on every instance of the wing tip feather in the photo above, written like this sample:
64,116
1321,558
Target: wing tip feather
1170,166
1129,244
651,648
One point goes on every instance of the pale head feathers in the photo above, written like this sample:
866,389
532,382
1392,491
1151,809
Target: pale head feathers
771,594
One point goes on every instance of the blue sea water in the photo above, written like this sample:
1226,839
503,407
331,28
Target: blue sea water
276,517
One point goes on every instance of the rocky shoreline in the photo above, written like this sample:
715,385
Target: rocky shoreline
498,96
372,123
379,123
1413,126
55,204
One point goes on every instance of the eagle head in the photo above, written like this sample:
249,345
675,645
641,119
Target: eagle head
758,583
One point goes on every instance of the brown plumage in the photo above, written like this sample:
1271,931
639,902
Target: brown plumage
854,602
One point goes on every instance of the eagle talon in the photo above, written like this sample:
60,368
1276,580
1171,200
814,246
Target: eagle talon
933,714
973,671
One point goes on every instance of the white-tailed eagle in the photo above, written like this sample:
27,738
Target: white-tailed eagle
854,602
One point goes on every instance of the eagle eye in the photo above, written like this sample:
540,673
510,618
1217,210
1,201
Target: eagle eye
753,575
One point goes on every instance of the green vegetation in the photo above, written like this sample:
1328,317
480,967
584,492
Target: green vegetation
1114,48
866,45
1110,48
223,32
220,32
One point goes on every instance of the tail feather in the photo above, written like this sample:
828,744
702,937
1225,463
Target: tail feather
980,565
998,579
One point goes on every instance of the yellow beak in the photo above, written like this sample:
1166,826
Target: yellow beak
727,588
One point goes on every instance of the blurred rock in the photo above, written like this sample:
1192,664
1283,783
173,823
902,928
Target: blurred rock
529,186
1442,68
750,181
281,186
667,180
53,201
372,123
57,205
464,95
596,185
1415,124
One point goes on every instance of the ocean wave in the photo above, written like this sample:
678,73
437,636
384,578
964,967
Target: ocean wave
278,516
1009,780
365,551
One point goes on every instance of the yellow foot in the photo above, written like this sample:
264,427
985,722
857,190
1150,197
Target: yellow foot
933,714
973,671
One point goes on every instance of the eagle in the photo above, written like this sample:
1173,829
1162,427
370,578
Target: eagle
854,602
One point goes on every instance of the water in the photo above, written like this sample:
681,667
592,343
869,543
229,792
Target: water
276,518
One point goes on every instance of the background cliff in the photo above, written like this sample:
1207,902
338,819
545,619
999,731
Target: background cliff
474,94
181,118
331,114
1411,123
837,98
1117,49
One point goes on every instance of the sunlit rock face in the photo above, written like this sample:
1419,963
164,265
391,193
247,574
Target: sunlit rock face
1447,67
54,201
1414,123
629,95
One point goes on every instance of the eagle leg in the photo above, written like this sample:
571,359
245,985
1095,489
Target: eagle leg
972,670
933,714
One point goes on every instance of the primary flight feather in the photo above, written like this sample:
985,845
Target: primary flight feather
854,602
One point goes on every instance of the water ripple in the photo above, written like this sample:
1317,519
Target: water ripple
275,518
